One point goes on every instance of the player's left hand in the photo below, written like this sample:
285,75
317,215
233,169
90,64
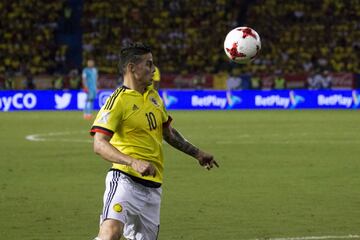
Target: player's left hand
206,160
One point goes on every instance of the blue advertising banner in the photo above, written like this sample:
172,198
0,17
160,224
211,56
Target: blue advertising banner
252,99
48,100
190,99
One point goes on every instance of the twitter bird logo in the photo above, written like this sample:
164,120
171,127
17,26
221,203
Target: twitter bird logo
63,101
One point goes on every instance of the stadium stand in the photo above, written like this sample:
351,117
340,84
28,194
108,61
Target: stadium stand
182,33
27,40
303,36
299,39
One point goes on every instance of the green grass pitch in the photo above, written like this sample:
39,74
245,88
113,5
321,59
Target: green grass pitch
282,174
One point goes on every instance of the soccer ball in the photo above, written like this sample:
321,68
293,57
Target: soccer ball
242,44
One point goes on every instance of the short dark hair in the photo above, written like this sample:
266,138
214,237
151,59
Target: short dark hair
132,54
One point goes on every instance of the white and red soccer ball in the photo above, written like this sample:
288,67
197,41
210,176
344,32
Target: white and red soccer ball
242,44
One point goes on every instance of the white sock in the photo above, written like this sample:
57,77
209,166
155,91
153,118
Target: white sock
97,238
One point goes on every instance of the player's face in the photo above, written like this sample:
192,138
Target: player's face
90,63
144,70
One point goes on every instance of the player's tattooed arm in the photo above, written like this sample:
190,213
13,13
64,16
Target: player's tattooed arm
175,139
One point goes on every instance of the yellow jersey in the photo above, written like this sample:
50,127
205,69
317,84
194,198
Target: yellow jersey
135,122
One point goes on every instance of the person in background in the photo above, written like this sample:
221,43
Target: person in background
89,81
234,80
9,80
29,80
255,81
279,81
315,80
326,80
74,79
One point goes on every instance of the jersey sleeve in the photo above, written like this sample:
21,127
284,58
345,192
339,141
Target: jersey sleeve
109,117
83,73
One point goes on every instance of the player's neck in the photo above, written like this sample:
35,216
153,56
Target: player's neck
134,85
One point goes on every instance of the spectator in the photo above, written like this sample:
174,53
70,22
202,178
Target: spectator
326,80
9,80
29,80
255,82
58,82
314,81
74,79
181,80
279,81
234,81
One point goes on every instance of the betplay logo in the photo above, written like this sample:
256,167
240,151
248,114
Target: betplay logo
207,101
271,101
335,100
278,101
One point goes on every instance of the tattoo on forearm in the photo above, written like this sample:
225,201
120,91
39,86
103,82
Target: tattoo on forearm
175,139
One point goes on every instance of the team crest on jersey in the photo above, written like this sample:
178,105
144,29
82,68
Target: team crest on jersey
117,207
104,118
153,100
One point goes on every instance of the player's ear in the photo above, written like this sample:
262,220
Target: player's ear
130,67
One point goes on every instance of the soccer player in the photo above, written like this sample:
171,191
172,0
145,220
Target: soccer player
156,78
129,131
89,80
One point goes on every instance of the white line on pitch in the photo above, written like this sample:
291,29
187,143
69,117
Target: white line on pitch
45,137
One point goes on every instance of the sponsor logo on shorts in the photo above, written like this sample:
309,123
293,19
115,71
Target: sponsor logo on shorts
117,207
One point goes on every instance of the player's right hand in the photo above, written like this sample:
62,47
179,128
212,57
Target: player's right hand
206,160
143,167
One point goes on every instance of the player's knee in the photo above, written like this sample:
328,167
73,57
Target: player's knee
110,230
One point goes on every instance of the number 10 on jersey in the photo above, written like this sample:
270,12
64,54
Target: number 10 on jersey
151,120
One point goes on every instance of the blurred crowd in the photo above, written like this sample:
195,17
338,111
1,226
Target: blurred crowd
184,34
187,36
307,36
27,40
